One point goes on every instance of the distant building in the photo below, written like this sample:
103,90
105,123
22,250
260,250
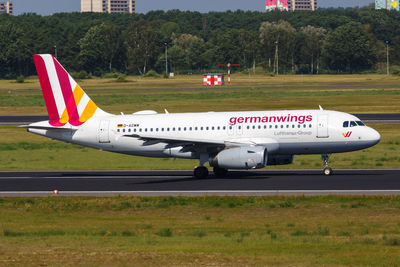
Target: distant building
108,6
291,5
387,4
302,5
6,8
281,5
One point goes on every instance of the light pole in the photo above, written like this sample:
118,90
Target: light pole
387,58
55,51
166,58
276,63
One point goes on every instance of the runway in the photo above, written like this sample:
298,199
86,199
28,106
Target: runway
366,117
182,183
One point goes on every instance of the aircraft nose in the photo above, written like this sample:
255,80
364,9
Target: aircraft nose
374,136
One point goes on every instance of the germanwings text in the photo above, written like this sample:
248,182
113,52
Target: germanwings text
266,119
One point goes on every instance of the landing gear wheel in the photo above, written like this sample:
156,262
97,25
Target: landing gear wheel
328,171
220,172
200,172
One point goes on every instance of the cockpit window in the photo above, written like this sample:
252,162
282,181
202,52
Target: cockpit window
360,123
353,124
345,124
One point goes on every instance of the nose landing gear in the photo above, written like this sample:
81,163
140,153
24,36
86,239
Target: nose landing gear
327,171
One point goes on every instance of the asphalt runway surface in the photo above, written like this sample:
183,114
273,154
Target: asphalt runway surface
182,183
366,117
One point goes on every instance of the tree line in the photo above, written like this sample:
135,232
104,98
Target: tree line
324,41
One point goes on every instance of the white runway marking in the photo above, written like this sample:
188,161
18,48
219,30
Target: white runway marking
201,193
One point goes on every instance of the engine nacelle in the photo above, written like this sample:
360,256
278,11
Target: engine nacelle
177,152
280,159
241,158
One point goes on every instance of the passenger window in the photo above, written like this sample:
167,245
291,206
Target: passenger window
201,128
224,128
276,126
212,128
162,129
265,126
270,126
184,129
134,130
117,130
298,126
173,129
207,128
259,126
281,126
254,127
345,124
353,124
140,130
248,127
156,129
287,126
360,123
310,125
240,127
190,128
167,129
129,130
218,128
151,129
304,126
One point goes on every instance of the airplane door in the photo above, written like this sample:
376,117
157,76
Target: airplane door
104,135
322,130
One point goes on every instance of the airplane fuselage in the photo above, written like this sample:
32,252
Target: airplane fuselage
287,132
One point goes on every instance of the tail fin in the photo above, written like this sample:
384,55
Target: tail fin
64,98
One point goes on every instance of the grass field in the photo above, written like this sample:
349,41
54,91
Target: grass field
20,150
348,93
222,231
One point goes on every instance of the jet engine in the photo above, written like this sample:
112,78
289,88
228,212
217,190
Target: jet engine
248,157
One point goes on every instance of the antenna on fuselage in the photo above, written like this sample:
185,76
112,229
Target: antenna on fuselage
320,108
166,111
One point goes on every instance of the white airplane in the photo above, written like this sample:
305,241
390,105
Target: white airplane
227,140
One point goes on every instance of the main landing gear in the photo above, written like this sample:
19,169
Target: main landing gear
327,171
200,172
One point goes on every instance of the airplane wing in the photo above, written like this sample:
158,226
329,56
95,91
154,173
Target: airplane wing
183,140
187,142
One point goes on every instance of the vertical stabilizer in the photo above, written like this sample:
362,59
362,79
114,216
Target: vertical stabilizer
65,100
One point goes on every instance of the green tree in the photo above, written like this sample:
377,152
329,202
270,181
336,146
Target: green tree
99,47
395,51
278,41
348,48
314,40
141,46
15,52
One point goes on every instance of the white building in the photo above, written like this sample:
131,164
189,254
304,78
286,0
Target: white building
6,8
108,6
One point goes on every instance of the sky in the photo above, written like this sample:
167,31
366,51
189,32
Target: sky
47,7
